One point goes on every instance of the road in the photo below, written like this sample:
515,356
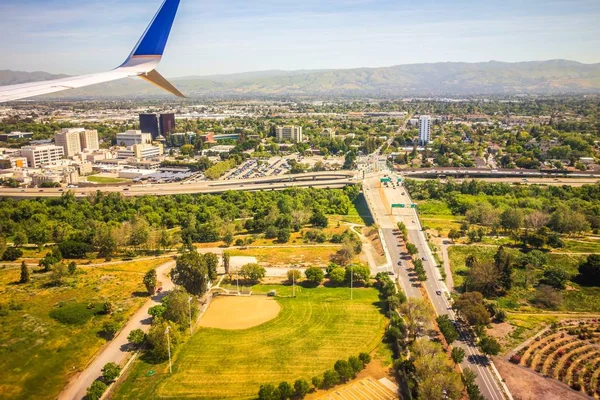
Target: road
380,200
116,350
183,188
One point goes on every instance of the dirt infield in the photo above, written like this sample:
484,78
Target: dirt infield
239,312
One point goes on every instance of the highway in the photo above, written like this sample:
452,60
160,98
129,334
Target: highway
316,179
380,200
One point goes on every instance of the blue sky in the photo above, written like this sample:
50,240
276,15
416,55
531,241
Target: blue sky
226,36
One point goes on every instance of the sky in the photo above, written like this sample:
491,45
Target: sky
229,36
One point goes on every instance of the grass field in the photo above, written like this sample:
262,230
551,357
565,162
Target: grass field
37,353
309,334
317,255
105,180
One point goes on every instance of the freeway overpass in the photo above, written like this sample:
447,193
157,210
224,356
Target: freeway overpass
495,173
332,179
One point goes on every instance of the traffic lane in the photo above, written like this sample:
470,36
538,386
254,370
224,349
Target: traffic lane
431,284
410,285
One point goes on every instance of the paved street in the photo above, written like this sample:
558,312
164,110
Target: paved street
380,199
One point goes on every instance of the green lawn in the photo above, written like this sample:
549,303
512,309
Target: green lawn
103,179
311,332
38,354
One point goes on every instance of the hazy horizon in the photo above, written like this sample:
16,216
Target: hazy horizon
210,37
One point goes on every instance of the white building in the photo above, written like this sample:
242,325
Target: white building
328,133
43,154
89,140
289,132
141,151
424,129
68,139
132,137
13,162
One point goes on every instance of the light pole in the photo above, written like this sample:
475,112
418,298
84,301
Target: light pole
190,310
351,281
237,278
169,349
293,283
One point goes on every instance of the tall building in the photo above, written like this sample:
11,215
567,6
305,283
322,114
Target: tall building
167,124
68,139
42,154
149,124
424,129
131,138
88,140
289,132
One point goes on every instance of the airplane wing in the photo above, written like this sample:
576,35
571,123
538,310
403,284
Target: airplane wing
142,62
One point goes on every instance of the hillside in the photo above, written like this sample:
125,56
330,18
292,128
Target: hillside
437,79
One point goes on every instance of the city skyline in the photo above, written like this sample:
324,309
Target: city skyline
211,38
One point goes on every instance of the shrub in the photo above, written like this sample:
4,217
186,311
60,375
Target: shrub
268,392
285,390
330,378
110,372
73,249
301,388
96,390
337,276
314,275
365,358
515,359
11,254
317,382
137,337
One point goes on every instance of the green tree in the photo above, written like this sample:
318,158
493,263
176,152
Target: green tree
72,268
314,275
330,378
365,358
472,307
344,370
191,272
178,307
252,272
556,277
108,308
412,249
283,235
24,273
140,232
157,339
356,364
226,261
96,390
150,281
137,337
285,390
319,219
317,382
360,273
337,276
589,270
458,355
59,271
110,372
294,275
110,328
489,346
268,392
12,254
301,388
416,315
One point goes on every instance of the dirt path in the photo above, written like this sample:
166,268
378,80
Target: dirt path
116,350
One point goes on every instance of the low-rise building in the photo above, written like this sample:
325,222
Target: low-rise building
41,155
13,162
133,137
141,151
5,137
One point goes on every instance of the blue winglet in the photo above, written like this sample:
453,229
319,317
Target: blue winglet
154,39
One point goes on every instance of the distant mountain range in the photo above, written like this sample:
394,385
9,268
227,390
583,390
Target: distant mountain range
422,80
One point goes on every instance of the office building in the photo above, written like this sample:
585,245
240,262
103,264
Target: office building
131,138
149,124
424,129
166,124
141,151
88,140
289,133
5,137
43,154
13,162
68,139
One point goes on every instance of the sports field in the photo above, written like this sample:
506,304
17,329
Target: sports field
309,334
